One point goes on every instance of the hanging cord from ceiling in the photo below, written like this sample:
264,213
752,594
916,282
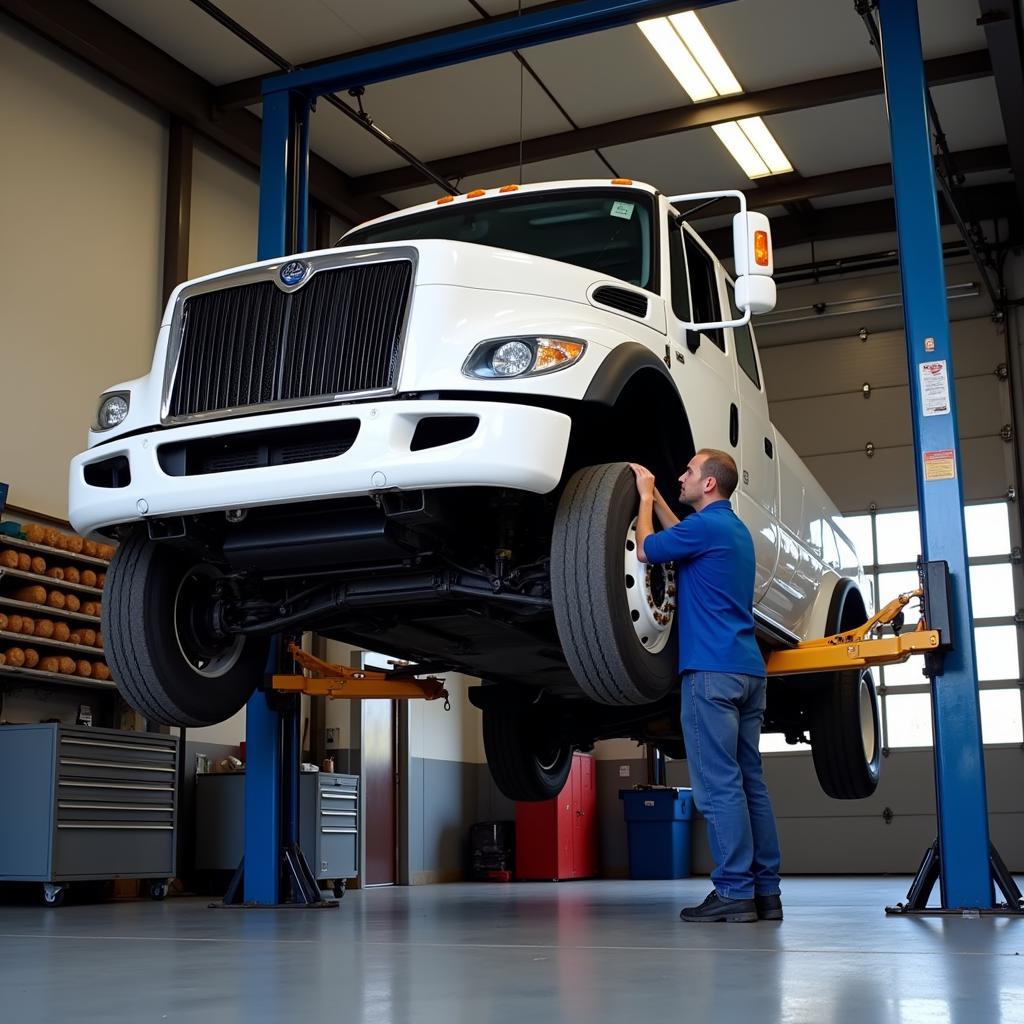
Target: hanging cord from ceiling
359,116
524,65
522,76
950,181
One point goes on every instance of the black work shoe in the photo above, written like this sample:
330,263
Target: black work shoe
718,908
769,907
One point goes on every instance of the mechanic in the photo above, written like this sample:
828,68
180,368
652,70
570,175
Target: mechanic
722,681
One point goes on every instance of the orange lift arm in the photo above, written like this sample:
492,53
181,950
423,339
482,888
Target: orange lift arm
857,648
339,682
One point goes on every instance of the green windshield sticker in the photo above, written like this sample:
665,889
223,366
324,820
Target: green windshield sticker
623,210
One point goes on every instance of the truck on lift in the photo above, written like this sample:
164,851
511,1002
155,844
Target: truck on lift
418,440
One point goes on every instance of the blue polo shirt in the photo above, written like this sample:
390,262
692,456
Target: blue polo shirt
714,558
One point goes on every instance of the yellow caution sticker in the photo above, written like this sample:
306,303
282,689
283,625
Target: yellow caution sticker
940,465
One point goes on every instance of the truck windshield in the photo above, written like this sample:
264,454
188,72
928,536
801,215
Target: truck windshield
606,230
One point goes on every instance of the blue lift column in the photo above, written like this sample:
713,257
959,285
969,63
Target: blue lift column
283,222
965,871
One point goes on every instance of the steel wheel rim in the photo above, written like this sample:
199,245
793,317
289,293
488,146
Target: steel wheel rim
868,733
650,596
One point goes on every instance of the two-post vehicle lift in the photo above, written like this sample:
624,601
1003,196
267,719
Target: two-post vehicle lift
962,857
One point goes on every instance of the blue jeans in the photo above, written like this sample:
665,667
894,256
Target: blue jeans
722,717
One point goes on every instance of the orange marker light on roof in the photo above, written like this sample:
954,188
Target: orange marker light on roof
445,199
622,181
761,254
509,188
476,193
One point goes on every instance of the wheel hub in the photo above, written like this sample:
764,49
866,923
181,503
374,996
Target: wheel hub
206,649
650,596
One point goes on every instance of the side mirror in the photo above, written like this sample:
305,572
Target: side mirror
692,340
755,264
752,249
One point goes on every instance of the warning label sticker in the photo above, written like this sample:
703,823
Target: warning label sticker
940,465
934,388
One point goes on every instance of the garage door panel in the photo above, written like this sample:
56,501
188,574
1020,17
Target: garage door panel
854,481
887,479
845,363
842,423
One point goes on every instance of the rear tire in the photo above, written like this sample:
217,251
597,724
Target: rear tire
164,663
846,736
596,582
527,759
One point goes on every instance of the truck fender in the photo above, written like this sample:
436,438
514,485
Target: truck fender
837,608
618,367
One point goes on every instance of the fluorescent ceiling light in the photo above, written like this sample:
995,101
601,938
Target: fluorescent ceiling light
704,51
764,142
662,36
742,149
690,54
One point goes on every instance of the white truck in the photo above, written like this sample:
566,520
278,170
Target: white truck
416,442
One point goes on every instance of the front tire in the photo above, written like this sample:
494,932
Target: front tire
167,664
615,615
527,759
846,736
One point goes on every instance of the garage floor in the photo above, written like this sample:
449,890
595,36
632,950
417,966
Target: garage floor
576,951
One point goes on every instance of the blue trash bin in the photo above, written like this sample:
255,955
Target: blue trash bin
658,825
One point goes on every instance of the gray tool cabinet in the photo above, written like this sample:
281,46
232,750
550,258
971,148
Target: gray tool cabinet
328,823
84,804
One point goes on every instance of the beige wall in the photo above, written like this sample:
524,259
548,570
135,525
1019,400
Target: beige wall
225,211
81,210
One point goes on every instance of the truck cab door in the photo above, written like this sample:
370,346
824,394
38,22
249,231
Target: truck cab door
758,490
701,366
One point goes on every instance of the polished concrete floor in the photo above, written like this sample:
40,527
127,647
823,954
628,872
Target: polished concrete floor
590,952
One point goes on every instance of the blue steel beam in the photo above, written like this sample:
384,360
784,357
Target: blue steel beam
262,723
531,28
274,198
959,766
263,767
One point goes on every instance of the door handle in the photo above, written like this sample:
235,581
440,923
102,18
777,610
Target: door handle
769,449
734,425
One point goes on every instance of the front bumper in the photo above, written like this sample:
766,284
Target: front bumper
516,446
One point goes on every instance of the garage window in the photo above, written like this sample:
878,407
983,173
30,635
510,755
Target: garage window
888,543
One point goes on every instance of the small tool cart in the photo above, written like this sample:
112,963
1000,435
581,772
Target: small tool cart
85,804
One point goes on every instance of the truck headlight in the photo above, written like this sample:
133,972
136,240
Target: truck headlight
511,359
113,410
522,357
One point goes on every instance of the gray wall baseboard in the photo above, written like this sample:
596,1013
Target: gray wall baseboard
823,836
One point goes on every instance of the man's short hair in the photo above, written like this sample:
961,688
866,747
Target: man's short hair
722,466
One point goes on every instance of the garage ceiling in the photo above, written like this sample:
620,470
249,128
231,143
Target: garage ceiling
594,104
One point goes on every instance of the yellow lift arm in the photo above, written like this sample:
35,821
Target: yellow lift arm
857,648
340,682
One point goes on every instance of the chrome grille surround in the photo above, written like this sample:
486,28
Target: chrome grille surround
289,365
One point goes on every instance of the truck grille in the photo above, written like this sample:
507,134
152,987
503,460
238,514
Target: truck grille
254,344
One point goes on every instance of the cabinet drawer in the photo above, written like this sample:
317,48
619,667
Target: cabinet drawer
129,750
339,848
104,769
155,792
114,814
107,850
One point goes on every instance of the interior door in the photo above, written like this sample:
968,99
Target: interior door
379,762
